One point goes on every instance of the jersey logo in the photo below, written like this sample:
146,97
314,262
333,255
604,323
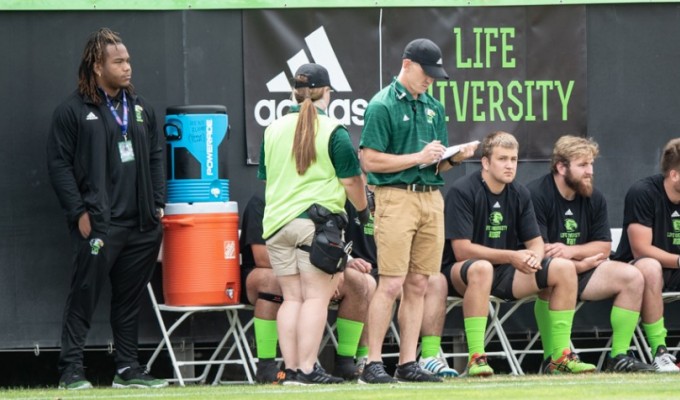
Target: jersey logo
570,225
497,205
569,212
495,228
91,117
406,118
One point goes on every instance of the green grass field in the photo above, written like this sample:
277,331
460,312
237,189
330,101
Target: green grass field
586,387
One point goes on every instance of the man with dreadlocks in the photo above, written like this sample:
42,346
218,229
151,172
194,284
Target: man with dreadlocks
105,161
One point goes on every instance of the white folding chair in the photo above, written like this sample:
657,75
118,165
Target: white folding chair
239,353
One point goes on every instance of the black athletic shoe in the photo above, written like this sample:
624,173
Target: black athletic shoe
267,371
544,369
318,375
627,363
411,372
345,368
137,377
374,372
286,377
73,378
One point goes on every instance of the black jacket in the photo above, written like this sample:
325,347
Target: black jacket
82,149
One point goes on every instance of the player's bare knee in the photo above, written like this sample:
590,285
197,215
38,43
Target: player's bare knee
480,273
650,268
562,272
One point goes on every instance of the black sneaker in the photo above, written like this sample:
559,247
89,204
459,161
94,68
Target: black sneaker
137,377
267,371
374,372
544,369
627,363
73,378
345,368
318,375
286,377
411,372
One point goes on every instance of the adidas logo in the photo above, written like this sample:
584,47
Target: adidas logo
322,53
497,205
91,117
569,213
349,111
406,118
675,214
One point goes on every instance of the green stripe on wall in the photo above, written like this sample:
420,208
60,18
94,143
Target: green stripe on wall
36,5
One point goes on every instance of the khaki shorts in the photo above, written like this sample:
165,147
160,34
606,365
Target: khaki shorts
409,231
285,256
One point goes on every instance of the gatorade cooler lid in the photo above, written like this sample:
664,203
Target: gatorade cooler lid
212,207
196,109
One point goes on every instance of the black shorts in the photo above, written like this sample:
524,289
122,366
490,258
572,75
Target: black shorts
503,276
583,280
244,290
671,280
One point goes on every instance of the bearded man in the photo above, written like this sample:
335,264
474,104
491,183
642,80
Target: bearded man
572,218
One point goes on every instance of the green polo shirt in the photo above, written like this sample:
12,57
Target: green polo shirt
341,150
396,123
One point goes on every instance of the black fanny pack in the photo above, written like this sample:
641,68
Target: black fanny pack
328,251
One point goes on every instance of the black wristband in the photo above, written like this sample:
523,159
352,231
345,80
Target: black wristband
364,216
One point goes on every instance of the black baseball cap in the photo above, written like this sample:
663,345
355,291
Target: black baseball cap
317,76
428,55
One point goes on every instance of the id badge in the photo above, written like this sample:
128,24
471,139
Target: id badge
126,152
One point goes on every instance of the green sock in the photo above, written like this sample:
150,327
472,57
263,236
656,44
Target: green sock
561,322
475,327
362,351
349,333
623,326
266,337
542,314
656,334
430,346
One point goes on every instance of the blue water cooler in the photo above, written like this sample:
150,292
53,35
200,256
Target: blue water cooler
197,153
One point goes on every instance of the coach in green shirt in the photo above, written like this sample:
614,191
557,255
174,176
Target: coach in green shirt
404,128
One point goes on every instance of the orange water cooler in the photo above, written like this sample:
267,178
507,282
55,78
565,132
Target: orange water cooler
201,254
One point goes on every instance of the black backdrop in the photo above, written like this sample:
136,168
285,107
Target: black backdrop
195,57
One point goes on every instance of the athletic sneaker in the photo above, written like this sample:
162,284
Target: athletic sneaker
345,368
137,377
73,378
544,369
478,366
286,378
318,375
374,372
626,363
267,371
437,366
569,363
411,372
664,361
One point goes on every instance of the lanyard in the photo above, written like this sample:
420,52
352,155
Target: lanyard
124,123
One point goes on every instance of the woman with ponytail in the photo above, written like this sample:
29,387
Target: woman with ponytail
306,158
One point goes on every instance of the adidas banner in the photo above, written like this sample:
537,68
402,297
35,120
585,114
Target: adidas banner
518,69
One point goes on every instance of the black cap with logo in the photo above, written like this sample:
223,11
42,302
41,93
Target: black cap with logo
428,55
314,76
